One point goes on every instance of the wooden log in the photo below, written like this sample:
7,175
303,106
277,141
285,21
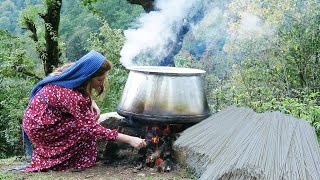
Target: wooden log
155,155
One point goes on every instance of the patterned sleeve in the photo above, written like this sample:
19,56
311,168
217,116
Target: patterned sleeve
80,107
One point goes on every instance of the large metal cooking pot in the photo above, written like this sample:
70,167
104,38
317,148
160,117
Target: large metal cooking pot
164,94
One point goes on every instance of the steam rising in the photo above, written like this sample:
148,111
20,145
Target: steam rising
156,29
251,25
156,32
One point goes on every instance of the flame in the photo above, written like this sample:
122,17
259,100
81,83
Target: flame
155,139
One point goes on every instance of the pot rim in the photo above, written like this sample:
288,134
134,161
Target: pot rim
179,119
166,70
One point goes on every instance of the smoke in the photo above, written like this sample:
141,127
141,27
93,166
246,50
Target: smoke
210,26
155,30
252,26
154,34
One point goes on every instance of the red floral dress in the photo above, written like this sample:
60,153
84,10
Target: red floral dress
63,129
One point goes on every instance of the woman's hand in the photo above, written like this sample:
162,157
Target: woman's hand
135,142
95,108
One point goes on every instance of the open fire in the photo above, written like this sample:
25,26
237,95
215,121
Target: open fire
159,153
160,137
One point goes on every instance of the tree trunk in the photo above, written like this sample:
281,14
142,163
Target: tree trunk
50,57
146,4
49,54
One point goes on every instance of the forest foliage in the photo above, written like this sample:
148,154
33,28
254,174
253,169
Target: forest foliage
271,67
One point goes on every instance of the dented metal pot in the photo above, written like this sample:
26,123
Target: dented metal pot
164,94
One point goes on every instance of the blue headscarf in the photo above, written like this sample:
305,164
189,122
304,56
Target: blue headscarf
75,75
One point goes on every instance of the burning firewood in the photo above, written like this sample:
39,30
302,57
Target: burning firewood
165,166
159,137
152,157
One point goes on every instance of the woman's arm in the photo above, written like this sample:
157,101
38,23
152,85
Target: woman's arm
135,142
87,114
84,111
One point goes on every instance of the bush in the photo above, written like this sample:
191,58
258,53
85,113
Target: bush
13,101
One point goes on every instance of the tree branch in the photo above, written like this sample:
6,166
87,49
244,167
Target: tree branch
32,27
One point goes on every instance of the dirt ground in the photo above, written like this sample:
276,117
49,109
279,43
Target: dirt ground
125,167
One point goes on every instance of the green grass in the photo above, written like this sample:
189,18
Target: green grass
14,162
29,176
